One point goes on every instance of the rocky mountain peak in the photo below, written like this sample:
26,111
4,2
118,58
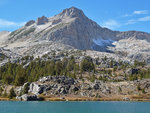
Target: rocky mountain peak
30,23
42,20
72,12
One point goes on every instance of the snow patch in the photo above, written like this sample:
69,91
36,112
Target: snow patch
102,42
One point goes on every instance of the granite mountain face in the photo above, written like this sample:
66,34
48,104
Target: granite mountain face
72,29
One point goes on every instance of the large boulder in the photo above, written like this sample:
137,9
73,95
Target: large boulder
19,98
106,90
132,71
36,88
27,97
96,86
75,88
20,89
63,80
44,79
63,90
126,99
86,86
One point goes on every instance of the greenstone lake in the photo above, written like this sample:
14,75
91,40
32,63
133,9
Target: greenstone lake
74,107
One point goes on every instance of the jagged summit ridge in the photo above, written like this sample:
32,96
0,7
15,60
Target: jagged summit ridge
72,12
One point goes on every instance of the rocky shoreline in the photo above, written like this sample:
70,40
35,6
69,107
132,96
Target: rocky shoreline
61,88
80,99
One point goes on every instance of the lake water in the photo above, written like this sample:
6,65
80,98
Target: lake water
74,107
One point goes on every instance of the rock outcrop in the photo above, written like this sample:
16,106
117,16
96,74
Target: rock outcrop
57,85
30,23
61,86
27,97
42,20
36,89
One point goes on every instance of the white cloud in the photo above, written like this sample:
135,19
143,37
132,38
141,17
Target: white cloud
146,18
131,21
126,15
137,12
112,24
140,12
6,23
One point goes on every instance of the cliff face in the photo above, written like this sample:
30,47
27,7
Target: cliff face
70,27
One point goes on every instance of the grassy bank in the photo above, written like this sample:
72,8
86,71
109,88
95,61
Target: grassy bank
145,98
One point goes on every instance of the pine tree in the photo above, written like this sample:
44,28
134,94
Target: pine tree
58,67
12,93
26,88
111,63
87,64
1,90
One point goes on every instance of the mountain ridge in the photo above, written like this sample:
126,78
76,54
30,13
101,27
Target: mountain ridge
72,28
78,17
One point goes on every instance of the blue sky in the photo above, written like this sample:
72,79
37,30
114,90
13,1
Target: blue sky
120,15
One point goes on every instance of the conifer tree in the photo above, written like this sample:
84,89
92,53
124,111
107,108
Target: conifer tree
12,93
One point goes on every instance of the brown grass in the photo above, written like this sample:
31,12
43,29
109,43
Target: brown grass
4,99
143,97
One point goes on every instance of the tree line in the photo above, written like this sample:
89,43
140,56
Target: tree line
17,74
